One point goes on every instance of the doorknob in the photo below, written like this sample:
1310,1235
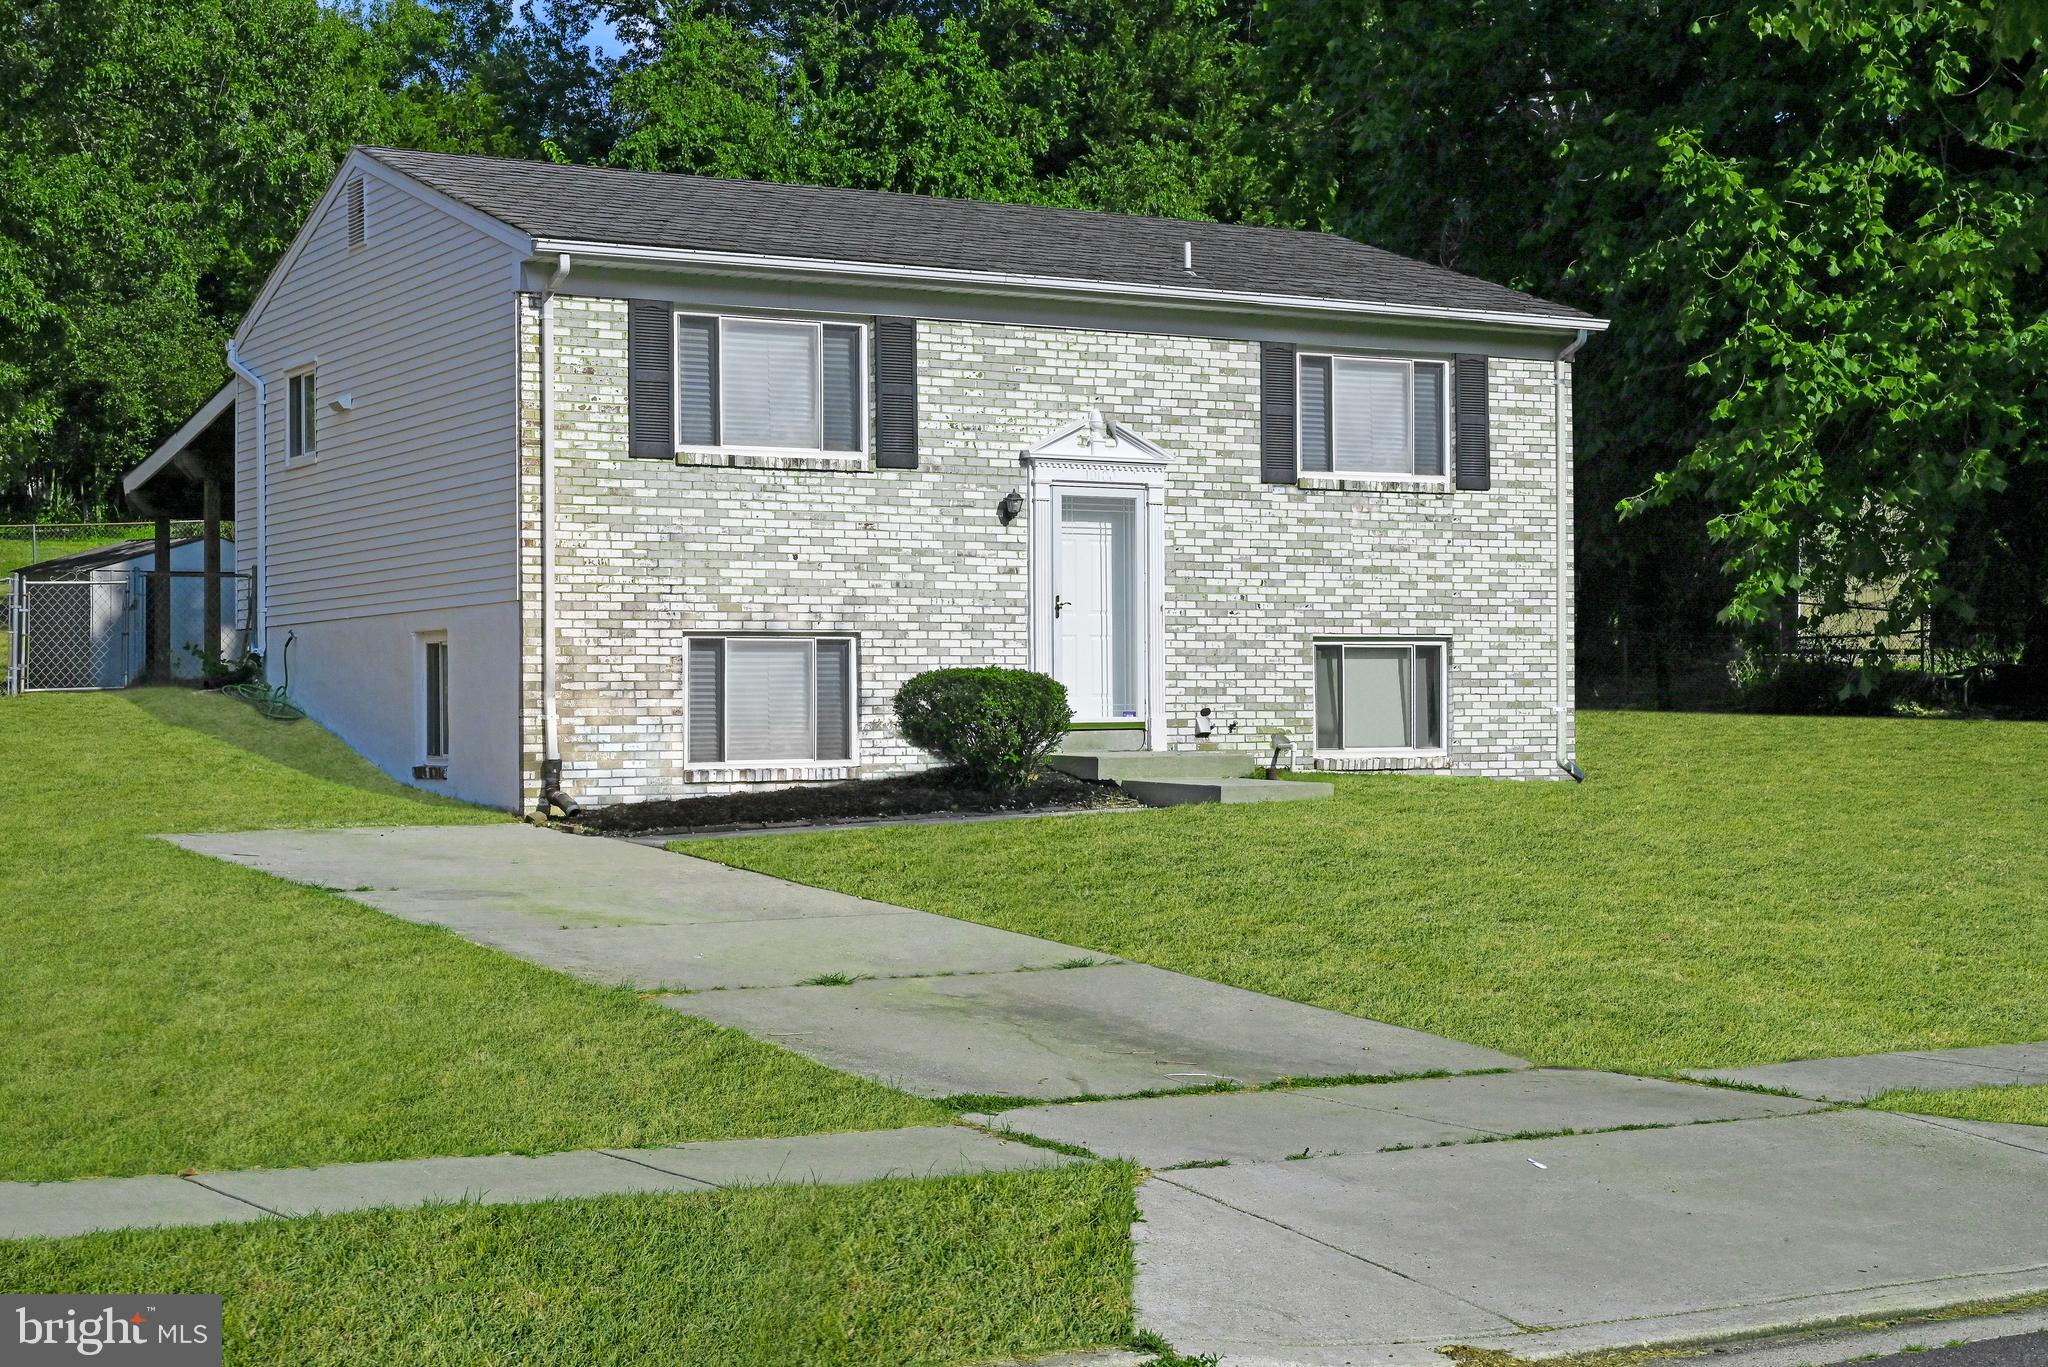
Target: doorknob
1059,604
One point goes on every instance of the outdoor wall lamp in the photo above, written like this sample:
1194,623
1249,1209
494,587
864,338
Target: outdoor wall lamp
1204,724
1011,506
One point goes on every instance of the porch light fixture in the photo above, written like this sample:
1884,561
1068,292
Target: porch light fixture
1204,724
1011,506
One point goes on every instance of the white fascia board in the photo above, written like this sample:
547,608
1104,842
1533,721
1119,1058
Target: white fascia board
999,282
180,439
360,162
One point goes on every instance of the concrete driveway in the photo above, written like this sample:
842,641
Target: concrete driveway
1541,1211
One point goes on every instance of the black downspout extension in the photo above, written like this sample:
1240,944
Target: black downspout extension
551,791
1572,767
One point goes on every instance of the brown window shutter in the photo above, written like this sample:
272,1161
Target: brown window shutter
896,393
650,379
1276,413
1475,461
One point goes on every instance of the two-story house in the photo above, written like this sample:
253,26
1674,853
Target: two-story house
647,485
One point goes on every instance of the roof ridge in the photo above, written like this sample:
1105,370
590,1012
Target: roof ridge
722,215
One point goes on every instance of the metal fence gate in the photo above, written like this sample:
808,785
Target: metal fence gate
93,631
68,634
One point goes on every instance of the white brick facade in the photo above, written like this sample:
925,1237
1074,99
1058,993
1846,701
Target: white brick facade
918,564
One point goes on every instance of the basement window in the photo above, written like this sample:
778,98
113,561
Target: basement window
434,701
1381,697
770,700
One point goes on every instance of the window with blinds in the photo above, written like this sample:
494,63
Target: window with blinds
770,699
1372,416
770,383
1380,696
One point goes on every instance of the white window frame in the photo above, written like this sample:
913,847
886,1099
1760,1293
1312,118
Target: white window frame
295,407
1448,418
818,323
426,640
1409,643
810,639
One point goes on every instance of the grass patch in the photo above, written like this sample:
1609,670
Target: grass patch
935,1271
1726,890
924,794
166,1011
2016,1105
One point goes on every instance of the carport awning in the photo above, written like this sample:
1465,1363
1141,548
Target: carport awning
171,482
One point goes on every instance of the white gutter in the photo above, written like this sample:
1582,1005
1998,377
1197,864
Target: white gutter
236,364
1003,282
1565,760
551,754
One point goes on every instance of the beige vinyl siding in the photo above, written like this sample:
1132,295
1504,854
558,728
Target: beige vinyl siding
410,503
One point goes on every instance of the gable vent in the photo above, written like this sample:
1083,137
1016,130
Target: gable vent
356,225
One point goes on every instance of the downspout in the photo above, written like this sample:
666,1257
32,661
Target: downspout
1563,705
551,791
262,594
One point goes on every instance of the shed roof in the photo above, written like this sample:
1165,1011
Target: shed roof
875,228
111,556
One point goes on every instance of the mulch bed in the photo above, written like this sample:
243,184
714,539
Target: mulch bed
933,792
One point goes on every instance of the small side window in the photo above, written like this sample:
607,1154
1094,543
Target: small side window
434,699
299,440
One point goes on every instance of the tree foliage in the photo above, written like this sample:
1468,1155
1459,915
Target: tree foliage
1816,226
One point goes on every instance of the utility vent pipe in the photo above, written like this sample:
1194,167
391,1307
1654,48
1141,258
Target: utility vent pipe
1187,257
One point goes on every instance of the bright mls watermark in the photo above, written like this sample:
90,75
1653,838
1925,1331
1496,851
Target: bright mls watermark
166,1331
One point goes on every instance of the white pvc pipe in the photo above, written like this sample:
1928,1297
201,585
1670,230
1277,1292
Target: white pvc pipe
262,596
1564,582
550,744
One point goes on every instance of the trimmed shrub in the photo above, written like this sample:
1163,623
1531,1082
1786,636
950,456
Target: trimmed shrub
995,725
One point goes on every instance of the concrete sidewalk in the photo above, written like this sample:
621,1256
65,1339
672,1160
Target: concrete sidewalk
53,1209
1542,1211
1587,1243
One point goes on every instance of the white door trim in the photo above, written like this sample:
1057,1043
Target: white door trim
1091,455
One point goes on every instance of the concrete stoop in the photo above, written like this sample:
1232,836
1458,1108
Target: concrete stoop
1171,778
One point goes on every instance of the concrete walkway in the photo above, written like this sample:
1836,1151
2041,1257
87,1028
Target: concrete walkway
1868,1075
1542,1211
34,1209
948,1007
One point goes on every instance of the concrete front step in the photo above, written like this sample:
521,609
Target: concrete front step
1156,764
1175,792
1099,740
1171,778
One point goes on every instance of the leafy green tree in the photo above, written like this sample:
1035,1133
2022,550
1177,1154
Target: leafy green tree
1816,227
153,162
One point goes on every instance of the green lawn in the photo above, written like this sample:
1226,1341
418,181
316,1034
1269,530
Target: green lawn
165,1011
939,1271
1724,890
2009,1105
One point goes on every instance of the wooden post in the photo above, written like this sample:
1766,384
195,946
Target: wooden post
158,605
210,615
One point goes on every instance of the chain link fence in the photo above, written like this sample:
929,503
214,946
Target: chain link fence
91,631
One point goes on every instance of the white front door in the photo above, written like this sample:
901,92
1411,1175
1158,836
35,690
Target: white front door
1098,632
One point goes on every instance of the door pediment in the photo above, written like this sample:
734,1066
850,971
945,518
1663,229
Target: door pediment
1094,441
